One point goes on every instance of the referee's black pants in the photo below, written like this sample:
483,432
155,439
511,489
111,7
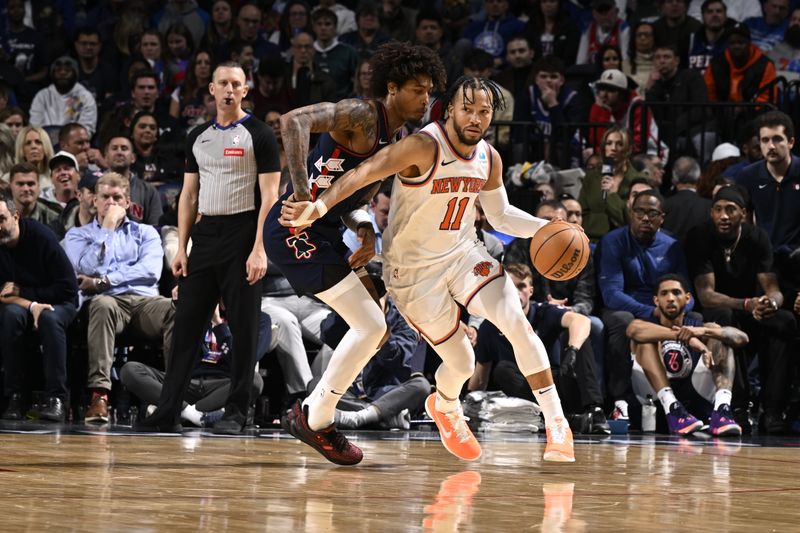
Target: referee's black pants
220,248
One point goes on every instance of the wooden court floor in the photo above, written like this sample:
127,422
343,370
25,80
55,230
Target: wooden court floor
112,481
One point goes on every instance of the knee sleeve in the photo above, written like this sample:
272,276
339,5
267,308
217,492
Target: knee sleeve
498,302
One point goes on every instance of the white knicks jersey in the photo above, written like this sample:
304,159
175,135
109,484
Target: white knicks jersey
433,215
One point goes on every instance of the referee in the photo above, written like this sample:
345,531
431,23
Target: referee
226,159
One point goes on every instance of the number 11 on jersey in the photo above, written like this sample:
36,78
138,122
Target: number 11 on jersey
453,216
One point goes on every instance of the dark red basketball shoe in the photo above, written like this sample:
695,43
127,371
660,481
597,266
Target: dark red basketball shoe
329,441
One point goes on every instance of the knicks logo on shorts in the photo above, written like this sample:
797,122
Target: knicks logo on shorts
302,248
482,269
235,152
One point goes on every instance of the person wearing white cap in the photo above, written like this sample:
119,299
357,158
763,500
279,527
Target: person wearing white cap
65,100
724,151
64,173
614,104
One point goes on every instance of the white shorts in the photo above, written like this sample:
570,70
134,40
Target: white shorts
426,296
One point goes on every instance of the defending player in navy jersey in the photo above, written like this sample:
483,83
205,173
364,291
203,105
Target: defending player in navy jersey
434,260
313,258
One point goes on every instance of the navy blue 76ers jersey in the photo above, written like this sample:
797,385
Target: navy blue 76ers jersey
327,162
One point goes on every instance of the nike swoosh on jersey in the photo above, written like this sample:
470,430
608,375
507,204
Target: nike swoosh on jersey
762,185
444,164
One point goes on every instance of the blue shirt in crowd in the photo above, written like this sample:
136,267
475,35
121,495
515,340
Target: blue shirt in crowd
130,256
627,270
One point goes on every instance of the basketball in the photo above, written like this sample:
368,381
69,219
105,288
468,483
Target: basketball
560,250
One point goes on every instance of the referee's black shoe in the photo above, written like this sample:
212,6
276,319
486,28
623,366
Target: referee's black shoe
329,441
156,424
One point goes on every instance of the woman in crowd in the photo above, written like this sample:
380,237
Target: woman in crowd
15,118
180,45
33,146
186,103
640,62
605,190
551,25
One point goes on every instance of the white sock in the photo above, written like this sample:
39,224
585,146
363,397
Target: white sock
444,405
548,400
667,398
322,405
369,415
622,405
722,397
191,414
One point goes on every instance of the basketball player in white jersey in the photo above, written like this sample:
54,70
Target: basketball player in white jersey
433,258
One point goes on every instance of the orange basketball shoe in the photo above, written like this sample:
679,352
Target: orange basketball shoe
559,442
454,432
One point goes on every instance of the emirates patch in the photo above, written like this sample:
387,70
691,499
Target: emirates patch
235,152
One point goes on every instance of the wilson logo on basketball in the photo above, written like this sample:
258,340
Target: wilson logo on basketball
236,152
482,269
567,267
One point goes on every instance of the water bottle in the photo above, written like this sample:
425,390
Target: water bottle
649,415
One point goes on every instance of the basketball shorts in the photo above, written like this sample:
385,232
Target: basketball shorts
426,296
689,377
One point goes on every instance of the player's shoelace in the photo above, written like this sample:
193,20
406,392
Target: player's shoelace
339,441
459,424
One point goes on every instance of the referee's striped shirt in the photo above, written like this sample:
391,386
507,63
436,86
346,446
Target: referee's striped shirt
229,160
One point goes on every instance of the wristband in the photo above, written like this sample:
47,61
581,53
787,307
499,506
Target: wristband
745,304
30,306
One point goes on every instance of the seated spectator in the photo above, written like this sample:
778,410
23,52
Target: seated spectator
397,20
186,101
552,105
79,211
248,26
306,83
99,77
187,13
391,387
552,26
33,146
786,53
220,28
210,383
675,27
768,30
637,185
24,183
15,118
495,362
345,17
685,363
7,144
606,28
742,73
605,190
640,64
379,216
367,36
616,103
65,178
75,139
731,262
156,161
685,209
430,32
737,10
336,59
684,128
26,49
651,167
144,202
180,46
711,39
295,17
118,262
37,301
629,262
65,100
242,53
774,189
516,75
493,32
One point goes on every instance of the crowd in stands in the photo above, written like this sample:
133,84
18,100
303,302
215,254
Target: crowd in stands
670,108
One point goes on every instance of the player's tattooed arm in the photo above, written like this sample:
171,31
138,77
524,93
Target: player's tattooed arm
340,119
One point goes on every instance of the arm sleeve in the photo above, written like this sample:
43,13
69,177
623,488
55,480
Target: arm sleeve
506,218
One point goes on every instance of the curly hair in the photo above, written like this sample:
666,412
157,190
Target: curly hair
476,84
399,62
